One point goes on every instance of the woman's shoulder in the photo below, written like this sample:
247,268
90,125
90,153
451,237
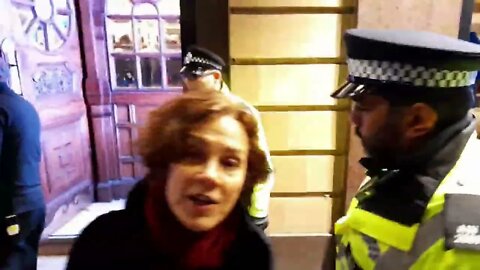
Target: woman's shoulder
104,231
108,237
128,220
252,249
107,222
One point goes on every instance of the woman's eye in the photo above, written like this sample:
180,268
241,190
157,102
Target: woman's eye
231,162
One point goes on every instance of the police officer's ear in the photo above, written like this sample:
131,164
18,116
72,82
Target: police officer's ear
217,75
420,120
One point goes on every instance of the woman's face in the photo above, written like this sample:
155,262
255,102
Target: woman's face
205,186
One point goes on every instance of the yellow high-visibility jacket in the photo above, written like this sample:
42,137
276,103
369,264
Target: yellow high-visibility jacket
261,192
448,236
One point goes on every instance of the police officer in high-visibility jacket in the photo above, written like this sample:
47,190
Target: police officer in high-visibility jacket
203,69
419,208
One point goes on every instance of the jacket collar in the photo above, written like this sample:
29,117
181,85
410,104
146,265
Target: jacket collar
456,135
4,88
402,194
400,203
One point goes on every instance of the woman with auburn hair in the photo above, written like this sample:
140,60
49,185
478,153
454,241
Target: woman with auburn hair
189,212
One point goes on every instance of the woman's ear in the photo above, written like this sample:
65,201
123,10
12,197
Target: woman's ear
420,120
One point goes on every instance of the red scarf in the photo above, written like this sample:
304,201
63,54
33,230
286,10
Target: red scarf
190,250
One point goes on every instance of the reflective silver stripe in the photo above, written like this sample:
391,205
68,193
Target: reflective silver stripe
373,248
344,256
427,235
341,254
342,260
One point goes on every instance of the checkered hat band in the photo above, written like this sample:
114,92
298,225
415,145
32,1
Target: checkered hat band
408,73
201,60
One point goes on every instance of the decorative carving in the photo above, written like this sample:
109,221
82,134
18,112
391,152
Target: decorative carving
53,79
63,157
47,23
62,168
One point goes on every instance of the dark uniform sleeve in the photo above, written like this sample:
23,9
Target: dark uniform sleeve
6,203
2,127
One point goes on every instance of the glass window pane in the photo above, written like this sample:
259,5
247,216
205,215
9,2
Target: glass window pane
15,80
148,35
119,7
62,23
43,9
169,7
37,35
55,37
151,72
26,16
121,34
60,4
8,49
173,71
126,72
145,9
9,52
172,36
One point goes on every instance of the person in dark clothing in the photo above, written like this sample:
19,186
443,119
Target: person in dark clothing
22,207
204,159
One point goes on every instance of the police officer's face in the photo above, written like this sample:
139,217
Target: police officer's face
205,186
378,125
210,80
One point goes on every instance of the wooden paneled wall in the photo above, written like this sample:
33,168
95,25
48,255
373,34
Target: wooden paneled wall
286,59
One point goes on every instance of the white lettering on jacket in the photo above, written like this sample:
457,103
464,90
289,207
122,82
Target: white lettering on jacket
467,234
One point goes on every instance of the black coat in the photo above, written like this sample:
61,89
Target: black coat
120,240
20,187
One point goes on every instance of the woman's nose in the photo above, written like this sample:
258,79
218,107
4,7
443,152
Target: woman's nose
211,171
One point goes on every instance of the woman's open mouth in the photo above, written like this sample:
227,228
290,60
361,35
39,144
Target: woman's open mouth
202,205
202,200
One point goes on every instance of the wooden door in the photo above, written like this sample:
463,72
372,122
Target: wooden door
133,56
51,77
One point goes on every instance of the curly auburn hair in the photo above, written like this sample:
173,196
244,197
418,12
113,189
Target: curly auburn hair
162,140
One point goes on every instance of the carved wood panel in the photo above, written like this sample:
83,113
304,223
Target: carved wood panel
64,156
129,118
53,79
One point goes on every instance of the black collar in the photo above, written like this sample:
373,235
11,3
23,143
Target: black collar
4,88
402,194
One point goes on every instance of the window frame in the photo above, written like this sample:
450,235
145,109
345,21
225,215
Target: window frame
50,26
13,65
163,54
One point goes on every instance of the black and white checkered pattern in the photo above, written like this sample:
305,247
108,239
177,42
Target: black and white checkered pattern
407,73
195,59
